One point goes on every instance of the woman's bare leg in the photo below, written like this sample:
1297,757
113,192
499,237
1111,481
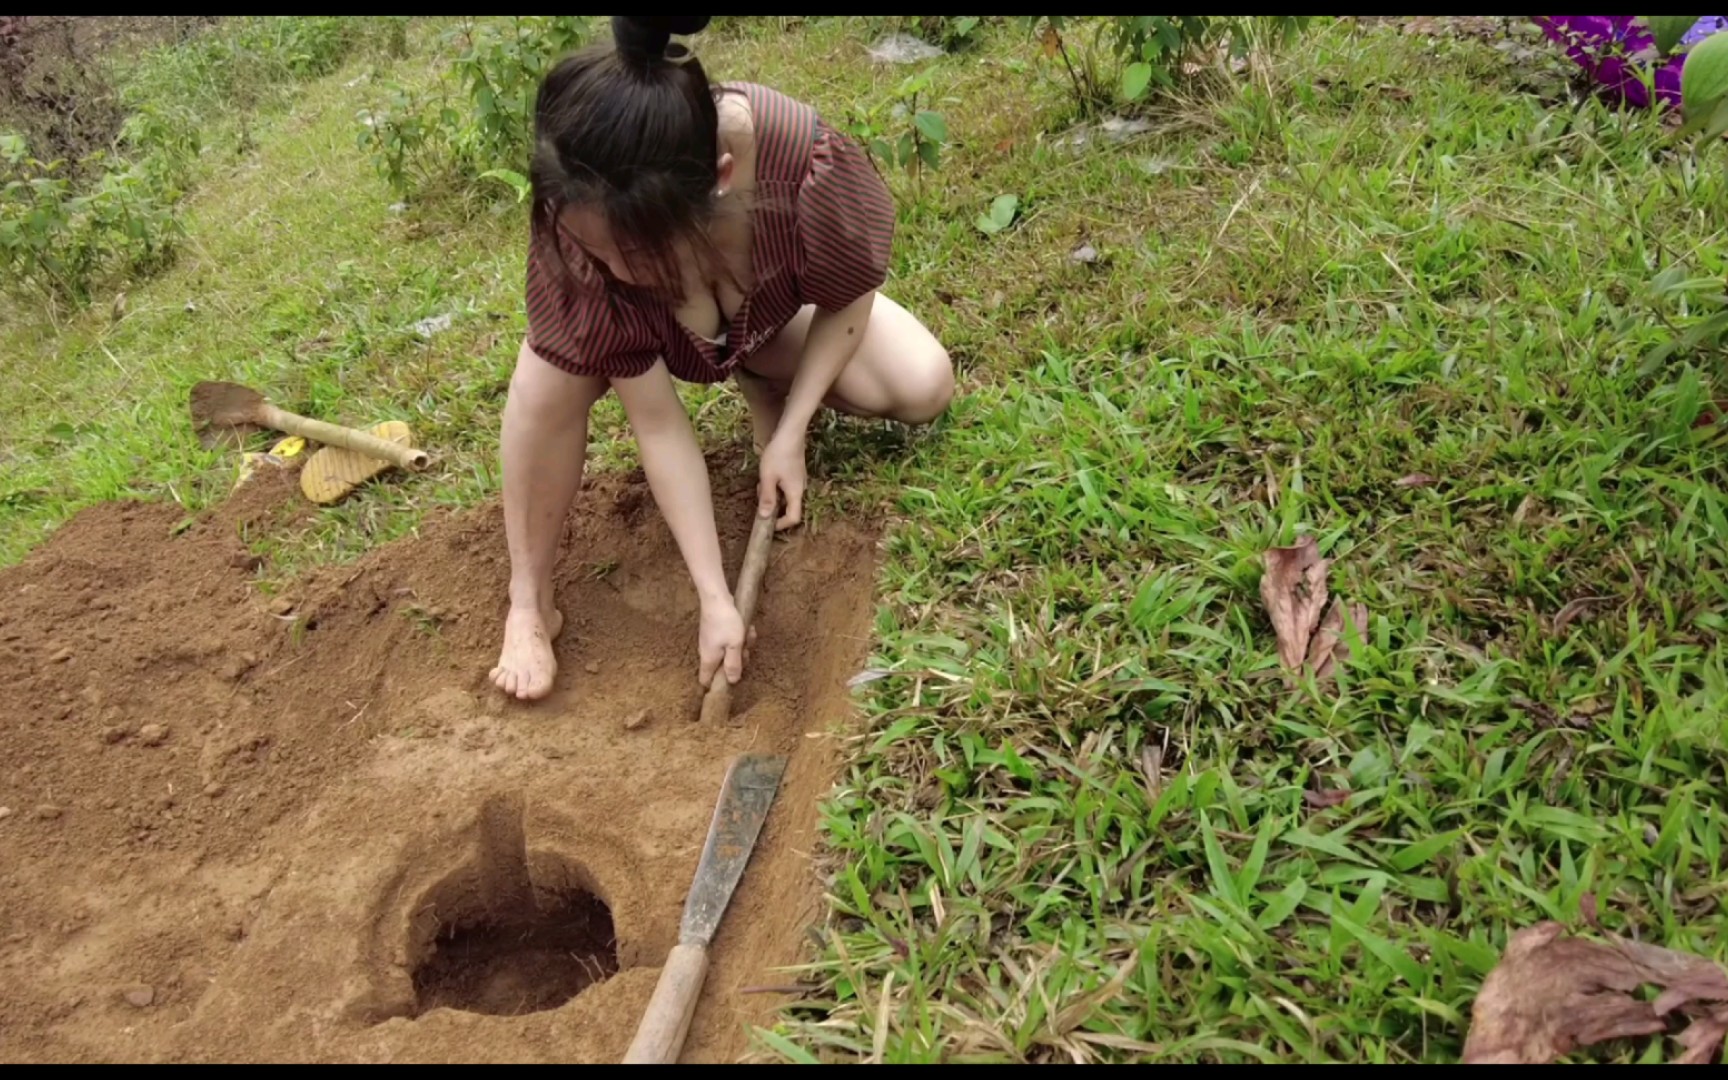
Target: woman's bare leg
545,443
900,371
767,401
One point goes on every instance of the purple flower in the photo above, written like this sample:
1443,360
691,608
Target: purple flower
1704,27
1620,54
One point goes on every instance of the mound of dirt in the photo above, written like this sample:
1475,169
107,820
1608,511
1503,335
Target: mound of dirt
303,827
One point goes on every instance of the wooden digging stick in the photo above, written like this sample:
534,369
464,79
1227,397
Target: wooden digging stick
717,703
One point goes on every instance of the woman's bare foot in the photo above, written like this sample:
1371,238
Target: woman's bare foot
527,665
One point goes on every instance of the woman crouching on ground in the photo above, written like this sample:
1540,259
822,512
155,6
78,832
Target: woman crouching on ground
699,232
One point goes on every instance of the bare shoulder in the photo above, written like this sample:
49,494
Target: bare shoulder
737,118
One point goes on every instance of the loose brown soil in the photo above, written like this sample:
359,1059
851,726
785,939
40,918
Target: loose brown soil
304,828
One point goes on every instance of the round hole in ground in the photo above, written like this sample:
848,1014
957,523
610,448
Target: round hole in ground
510,937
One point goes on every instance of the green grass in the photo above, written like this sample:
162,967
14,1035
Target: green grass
1074,826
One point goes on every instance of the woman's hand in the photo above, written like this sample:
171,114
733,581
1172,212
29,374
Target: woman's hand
782,471
679,479
721,642
830,345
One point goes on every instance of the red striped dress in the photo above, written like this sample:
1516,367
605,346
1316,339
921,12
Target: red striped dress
822,228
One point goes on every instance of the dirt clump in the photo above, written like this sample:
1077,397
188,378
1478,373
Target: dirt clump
319,834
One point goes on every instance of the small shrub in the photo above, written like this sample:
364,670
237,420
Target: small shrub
900,131
477,124
62,240
951,32
405,138
170,134
1130,55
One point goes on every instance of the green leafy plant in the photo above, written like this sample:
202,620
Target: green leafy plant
1003,210
1704,86
902,131
1704,108
1156,46
1703,74
477,125
61,240
1669,29
166,133
1130,55
500,67
512,179
951,32
407,139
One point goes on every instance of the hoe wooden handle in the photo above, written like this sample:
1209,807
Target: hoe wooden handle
717,703
660,1036
403,457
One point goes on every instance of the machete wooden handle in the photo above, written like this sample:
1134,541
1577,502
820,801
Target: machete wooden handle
403,457
717,703
660,1036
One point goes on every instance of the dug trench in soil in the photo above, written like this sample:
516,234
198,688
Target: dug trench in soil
304,828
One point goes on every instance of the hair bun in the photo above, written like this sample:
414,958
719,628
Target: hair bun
644,38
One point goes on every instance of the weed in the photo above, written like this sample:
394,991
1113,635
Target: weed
477,123
1151,50
428,621
54,235
900,131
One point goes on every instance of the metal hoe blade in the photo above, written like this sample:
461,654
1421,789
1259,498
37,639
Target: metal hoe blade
749,789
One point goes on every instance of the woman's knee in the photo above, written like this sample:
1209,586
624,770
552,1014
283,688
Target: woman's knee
541,392
926,385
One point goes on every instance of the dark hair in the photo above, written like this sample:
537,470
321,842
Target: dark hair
631,130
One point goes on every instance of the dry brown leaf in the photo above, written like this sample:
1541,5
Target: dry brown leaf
1703,1039
1546,716
1152,770
1575,610
1294,591
1415,480
1712,415
1076,1013
1552,993
1522,514
1330,645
